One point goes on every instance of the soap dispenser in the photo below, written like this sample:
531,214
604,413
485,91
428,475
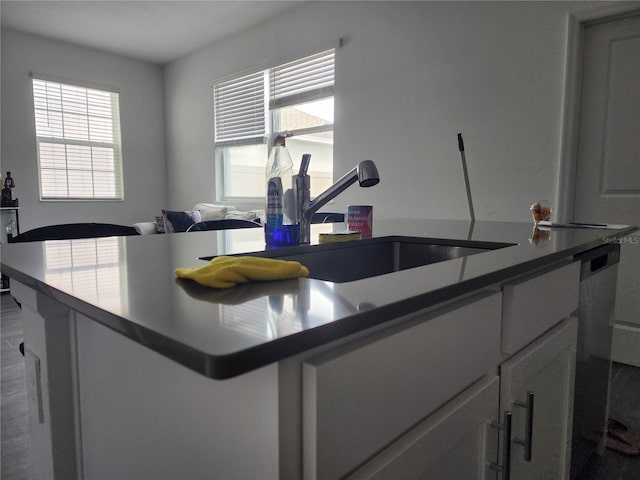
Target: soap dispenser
281,228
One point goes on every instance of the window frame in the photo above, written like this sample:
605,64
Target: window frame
115,145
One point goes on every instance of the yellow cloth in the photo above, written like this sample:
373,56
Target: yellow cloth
226,272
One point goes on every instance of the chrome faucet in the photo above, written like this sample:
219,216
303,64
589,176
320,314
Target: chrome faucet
365,173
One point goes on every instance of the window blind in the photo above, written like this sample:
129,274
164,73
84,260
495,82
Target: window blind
240,104
78,137
239,108
303,80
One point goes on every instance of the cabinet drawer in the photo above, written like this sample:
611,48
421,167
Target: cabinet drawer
533,305
359,398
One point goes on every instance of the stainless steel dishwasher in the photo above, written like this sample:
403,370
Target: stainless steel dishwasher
598,276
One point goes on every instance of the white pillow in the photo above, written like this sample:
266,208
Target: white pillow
211,211
204,204
250,215
145,228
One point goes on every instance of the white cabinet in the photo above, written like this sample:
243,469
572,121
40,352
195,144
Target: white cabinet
457,442
49,382
535,303
537,381
536,385
359,398
460,440
395,407
136,414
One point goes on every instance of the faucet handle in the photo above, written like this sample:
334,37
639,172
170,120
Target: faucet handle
304,164
303,181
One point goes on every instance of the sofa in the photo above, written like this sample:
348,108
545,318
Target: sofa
180,220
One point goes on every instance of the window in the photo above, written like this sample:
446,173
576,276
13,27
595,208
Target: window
78,142
250,110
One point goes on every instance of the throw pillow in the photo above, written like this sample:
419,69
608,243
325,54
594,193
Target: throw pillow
250,215
211,211
159,223
179,221
146,228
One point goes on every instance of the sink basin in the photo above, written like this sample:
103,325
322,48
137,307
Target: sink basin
349,261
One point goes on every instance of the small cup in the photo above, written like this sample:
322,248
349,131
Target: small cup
541,211
360,219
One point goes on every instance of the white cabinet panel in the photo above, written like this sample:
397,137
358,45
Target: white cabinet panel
50,388
358,399
456,442
178,424
545,369
535,304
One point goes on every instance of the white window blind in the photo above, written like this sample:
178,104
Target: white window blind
240,103
239,106
78,139
310,78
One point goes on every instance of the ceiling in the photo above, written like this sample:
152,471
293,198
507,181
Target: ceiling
152,30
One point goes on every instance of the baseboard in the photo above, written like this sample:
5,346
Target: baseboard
626,344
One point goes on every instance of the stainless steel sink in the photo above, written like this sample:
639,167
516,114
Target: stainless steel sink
349,261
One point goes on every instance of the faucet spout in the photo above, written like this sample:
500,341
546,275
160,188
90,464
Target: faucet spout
365,173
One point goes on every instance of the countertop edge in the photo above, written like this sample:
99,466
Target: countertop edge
220,367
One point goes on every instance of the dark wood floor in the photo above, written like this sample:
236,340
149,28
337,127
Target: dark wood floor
625,407
14,422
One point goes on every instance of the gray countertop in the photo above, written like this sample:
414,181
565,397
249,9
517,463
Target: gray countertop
128,284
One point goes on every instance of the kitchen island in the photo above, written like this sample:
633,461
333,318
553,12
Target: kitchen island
135,374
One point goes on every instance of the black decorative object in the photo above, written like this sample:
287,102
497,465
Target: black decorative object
8,193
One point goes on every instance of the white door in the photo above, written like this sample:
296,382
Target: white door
536,385
607,185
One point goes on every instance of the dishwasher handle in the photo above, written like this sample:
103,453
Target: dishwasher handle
599,263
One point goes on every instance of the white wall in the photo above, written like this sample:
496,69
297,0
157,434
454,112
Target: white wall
410,77
142,123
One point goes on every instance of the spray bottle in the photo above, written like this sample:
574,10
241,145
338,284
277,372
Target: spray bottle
282,228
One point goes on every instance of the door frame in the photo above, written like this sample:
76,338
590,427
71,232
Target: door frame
577,22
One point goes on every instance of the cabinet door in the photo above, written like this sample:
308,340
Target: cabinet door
359,398
537,387
457,442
